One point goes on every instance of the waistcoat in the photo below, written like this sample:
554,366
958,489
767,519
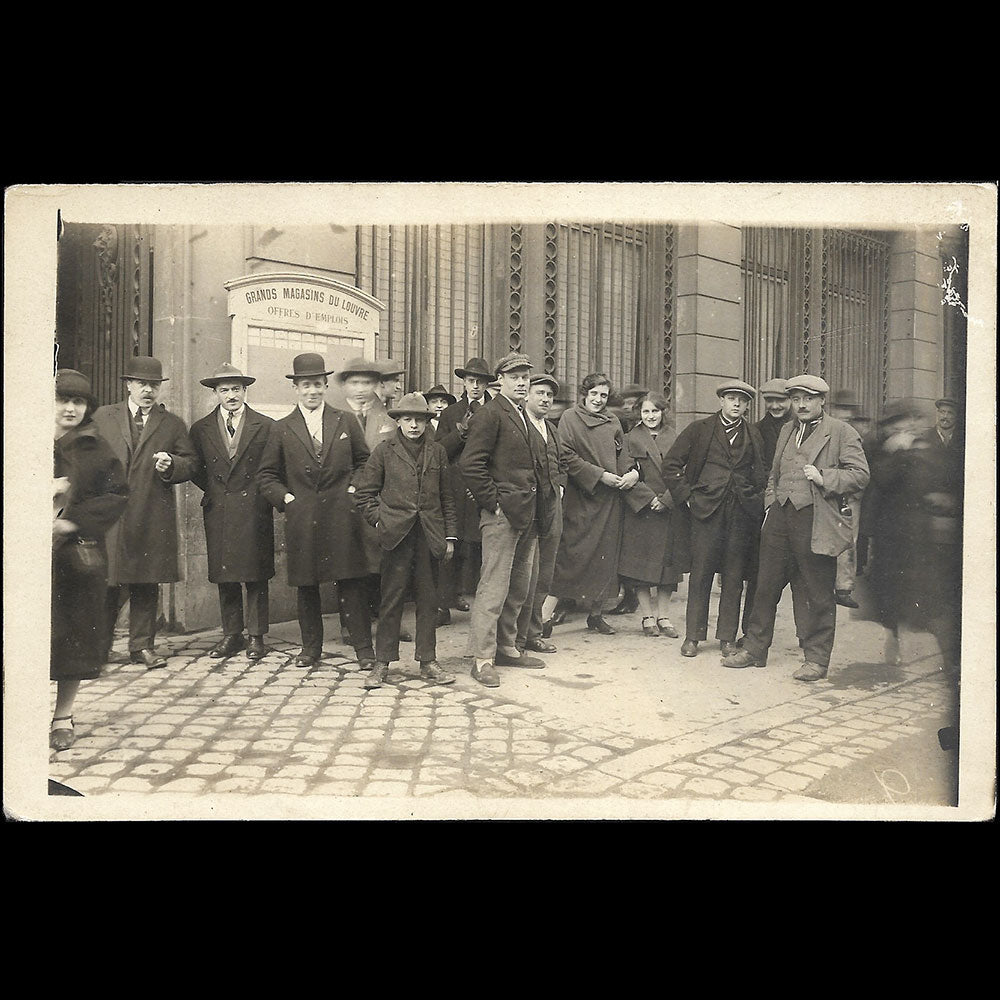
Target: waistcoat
792,483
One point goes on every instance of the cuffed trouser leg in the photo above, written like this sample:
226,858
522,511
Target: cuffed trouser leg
142,601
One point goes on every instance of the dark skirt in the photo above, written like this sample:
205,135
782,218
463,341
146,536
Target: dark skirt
79,638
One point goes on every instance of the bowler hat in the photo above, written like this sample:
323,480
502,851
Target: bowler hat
227,373
946,401
358,366
847,398
388,367
546,378
440,390
475,368
736,385
807,383
71,383
413,404
145,369
774,387
511,361
633,389
309,366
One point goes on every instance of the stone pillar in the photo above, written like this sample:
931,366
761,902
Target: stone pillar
709,341
915,316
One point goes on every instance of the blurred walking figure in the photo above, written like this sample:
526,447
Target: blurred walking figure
648,562
89,495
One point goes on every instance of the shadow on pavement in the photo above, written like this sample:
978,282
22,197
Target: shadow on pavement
866,676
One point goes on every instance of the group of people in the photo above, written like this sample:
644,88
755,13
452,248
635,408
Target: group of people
510,495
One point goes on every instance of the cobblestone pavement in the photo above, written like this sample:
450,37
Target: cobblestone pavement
204,727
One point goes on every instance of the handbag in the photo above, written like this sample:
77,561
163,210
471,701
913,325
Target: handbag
85,557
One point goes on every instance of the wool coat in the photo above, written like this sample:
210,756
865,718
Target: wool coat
392,496
648,537
96,500
834,448
453,441
498,463
587,563
239,521
142,546
323,528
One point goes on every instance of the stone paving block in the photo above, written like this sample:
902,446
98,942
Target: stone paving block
296,771
736,776
641,790
906,730
855,751
127,784
156,731
387,789
331,724
489,747
690,767
789,781
108,768
562,764
153,769
706,786
492,733
819,721
508,709
270,746
189,785
832,759
350,760
802,728
590,753
861,724
283,786
783,756
665,779
452,722
782,734
739,750
871,741
886,720
115,729
446,775
120,754
217,758
203,770
413,739
198,731
230,745
164,756
528,778
828,739
755,793
762,743
714,759
760,765
842,731
345,772
339,788
94,742
182,743
246,771
809,768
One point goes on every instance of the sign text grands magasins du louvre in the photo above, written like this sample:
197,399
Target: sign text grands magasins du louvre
288,302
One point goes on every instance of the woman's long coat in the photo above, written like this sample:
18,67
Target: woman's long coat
587,563
323,528
97,498
239,521
142,546
648,538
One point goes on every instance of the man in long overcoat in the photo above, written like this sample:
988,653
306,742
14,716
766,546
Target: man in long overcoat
818,462
307,471
716,475
461,575
598,468
156,453
239,522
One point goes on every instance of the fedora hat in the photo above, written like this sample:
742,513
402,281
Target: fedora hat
70,383
736,385
475,368
413,404
440,390
388,367
145,369
309,366
227,373
359,366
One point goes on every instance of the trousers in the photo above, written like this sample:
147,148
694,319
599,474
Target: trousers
409,567
142,599
354,609
529,621
231,605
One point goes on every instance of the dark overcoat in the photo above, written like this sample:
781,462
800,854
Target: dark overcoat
97,497
142,546
379,426
648,537
391,496
323,528
587,563
453,441
239,521
498,463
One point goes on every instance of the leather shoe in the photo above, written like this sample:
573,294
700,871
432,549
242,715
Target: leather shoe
845,599
256,649
114,657
486,675
742,658
461,604
503,660
405,636
443,617
228,645
665,628
150,657
376,675
596,623
558,617
810,671
305,659
539,646
547,628
689,647
62,738
728,648
433,671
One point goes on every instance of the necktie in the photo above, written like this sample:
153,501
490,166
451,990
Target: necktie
805,429
229,424
731,430
362,419
318,445
137,426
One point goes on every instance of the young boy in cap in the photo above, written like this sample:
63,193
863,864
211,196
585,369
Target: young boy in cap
438,399
403,493
716,475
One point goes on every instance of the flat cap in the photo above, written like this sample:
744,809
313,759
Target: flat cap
774,387
549,379
736,385
513,360
807,383
946,401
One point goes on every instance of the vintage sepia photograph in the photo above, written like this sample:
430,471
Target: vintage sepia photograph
500,501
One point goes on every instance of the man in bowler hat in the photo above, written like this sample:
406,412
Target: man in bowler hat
307,471
715,472
818,462
156,452
239,521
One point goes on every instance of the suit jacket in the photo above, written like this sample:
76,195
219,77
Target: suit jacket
142,545
498,463
683,465
453,441
834,447
391,496
323,528
550,472
239,520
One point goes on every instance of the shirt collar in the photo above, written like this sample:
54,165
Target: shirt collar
728,423
237,415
